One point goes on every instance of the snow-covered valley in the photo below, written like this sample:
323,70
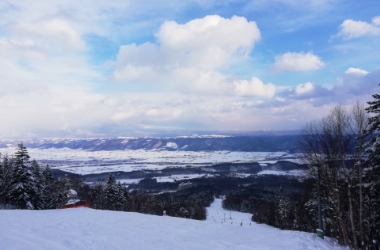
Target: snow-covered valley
84,162
85,228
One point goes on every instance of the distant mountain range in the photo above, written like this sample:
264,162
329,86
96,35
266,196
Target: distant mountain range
257,143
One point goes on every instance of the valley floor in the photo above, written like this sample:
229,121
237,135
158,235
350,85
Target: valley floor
84,228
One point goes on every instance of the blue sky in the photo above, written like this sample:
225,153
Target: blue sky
122,68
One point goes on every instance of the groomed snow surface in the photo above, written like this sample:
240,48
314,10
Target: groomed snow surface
84,228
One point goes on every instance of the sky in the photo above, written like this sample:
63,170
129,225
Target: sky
126,68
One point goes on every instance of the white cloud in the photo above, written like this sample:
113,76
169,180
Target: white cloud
354,81
61,110
189,56
304,88
254,87
55,30
356,71
350,29
376,20
145,112
292,61
26,48
314,93
47,37
208,43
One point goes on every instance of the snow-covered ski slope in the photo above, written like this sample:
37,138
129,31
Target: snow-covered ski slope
84,228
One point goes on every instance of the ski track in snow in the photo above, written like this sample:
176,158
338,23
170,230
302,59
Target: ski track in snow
84,228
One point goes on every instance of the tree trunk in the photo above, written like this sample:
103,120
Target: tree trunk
352,219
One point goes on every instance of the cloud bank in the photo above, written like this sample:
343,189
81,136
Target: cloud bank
189,57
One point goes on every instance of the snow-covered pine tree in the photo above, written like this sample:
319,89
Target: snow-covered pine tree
6,170
122,195
283,210
110,194
61,188
48,189
23,188
371,183
37,178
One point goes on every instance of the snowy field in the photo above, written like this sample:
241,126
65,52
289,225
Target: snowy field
172,178
85,228
93,162
295,172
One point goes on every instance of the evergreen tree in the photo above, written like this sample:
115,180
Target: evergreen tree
37,179
61,188
23,189
283,210
371,178
122,195
48,189
6,170
110,194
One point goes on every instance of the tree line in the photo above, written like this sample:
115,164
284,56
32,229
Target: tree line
114,196
342,151
26,185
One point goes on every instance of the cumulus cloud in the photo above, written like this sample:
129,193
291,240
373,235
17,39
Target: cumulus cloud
190,55
355,84
316,94
351,29
207,43
215,83
254,87
304,88
357,81
292,61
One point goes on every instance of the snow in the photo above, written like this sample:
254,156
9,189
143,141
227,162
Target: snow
179,177
172,178
203,136
295,172
72,201
171,145
84,228
215,213
72,192
129,181
92,162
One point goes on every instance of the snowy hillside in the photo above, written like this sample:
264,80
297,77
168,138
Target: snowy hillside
85,228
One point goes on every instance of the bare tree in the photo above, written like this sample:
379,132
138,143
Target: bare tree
333,149
360,126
